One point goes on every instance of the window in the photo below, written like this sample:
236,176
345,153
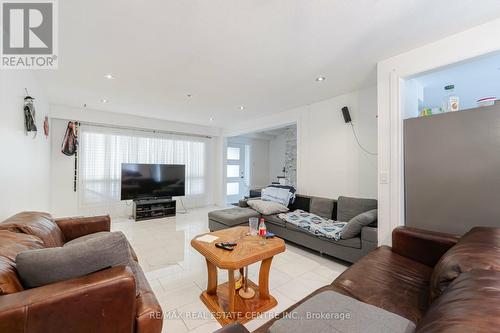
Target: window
233,171
233,153
103,150
233,188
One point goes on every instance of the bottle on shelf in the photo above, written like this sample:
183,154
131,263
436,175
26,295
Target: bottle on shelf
451,101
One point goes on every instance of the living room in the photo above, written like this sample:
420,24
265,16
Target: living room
249,166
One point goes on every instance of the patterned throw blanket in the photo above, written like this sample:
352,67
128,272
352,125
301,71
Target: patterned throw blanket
314,223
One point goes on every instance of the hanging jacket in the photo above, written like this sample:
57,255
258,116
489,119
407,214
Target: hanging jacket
70,141
29,115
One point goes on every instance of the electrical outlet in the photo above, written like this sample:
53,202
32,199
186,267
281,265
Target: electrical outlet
384,178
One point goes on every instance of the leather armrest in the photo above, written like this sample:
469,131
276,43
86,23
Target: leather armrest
424,246
233,328
74,227
100,302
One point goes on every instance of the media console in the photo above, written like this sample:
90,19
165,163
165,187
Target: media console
154,209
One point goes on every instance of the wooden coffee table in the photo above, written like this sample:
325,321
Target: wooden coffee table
223,300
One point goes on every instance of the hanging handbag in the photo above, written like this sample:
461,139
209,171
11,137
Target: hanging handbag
70,141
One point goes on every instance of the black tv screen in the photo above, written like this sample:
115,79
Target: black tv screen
141,181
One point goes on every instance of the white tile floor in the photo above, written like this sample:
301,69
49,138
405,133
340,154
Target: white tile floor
177,273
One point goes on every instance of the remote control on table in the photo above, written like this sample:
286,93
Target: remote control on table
224,247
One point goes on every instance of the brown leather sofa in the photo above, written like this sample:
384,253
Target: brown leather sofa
440,282
104,301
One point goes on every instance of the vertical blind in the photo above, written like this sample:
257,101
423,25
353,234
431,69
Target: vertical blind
102,151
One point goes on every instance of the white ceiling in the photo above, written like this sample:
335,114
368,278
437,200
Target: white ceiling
263,54
267,134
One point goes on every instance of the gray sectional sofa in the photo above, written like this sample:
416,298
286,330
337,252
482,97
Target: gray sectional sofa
342,209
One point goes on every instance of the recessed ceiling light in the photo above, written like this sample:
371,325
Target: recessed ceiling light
189,95
109,76
104,100
212,119
320,78
242,108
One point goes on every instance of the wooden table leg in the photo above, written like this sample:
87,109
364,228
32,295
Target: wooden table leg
265,266
212,278
231,290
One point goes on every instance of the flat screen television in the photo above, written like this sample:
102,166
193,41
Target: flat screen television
147,181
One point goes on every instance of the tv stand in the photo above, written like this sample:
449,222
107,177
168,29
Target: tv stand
147,209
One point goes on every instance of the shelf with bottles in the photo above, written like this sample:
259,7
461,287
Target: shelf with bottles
450,103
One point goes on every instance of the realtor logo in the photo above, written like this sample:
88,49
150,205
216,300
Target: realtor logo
29,38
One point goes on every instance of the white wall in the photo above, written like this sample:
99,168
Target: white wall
277,149
329,162
466,45
25,161
413,99
259,163
65,201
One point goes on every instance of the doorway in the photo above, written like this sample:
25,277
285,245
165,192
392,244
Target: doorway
257,159
236,166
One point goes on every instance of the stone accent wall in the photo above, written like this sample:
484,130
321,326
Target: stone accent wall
291,155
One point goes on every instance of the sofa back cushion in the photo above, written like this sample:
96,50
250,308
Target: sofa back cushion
347,208
37,224
471,303
11,244
477,249
322,207
304,202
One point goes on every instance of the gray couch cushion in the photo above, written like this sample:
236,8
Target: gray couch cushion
330,311
274,219
233,216
322,207
347,207
354,242
369,234
40,267
353,227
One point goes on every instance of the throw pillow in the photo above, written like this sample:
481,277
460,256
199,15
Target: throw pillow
353,227
290,188
280,195
98,235
347,207
267,207
44,266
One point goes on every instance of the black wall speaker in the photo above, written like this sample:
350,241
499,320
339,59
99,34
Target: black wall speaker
345,113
